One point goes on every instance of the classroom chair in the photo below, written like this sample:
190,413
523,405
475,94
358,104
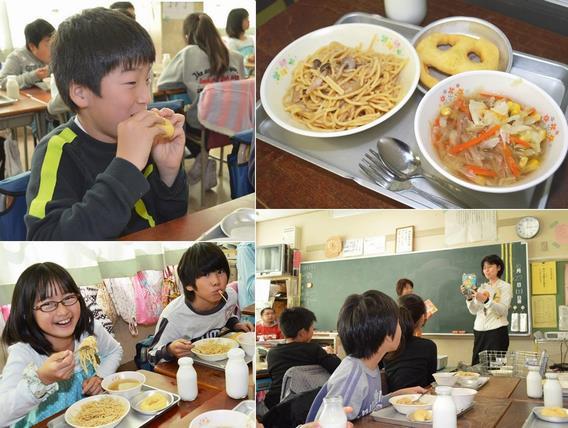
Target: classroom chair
12,226
224,109
303,378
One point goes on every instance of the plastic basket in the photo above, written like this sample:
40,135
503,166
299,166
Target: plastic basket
511,363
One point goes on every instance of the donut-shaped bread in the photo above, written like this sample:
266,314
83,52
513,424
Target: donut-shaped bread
455,59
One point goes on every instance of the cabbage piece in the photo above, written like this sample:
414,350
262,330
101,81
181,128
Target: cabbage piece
476,109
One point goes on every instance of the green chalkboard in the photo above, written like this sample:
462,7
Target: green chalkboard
436,276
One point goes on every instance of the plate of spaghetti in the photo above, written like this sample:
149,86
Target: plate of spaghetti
213,349
100,411
340,80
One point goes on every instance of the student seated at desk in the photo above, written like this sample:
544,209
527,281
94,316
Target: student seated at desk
297,325
237,25
110,170
30,64
369,327
206,307
267,328
414,362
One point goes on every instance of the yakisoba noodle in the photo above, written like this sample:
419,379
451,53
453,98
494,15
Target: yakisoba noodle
88,353
339,87
210,348
99,412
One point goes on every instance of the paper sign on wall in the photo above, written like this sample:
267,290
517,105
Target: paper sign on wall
353,247
543,276
374,245
544,311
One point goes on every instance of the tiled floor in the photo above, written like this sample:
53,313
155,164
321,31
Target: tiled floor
218,195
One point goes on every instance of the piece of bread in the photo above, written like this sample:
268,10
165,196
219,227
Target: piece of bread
168,128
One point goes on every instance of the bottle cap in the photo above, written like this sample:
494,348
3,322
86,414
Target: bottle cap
551,375
185,361
236,353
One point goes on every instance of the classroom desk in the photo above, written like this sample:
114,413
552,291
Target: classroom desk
208,398
499,387
191,226
285,181
206,376
248,310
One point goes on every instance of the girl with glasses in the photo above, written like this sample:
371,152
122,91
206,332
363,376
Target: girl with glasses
48,321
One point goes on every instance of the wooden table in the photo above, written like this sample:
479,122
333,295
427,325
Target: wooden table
180,416
282,177
191,226
248,310
499,387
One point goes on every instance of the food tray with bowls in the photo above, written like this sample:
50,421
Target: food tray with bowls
537,419
218,360
342,155
391,416
237,226
133,419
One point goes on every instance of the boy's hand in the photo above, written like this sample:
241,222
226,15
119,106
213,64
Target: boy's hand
244,326
42,72
59,366
92,386
135,137
411,390
180,348
168,153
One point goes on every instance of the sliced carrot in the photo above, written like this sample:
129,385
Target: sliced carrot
510,160
519,141
531,111
479,139
489,95
437,121
477,170
461,106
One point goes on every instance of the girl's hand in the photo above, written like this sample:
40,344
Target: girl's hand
59,366
244,326
92,386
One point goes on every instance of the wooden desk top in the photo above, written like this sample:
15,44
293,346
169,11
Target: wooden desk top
191,226
180,416
248,310
499,387
281,177
24,105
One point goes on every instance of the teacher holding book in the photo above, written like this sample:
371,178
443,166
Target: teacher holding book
490,304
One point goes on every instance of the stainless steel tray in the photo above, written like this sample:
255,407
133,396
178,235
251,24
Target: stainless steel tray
132,420
218,365
5,101
391,416
342,155
533,422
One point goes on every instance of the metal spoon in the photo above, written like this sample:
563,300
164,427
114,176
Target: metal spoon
404,164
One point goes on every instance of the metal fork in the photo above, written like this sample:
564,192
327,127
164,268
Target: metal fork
371,166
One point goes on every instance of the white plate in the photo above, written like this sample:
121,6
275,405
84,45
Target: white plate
240,225
137,400
214,357
557,419
278,75
6,101
74,409
223,418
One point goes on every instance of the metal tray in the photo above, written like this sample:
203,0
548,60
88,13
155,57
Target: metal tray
5,101
227,230
132,420
391,416
534,422
481,381
342,155
218,365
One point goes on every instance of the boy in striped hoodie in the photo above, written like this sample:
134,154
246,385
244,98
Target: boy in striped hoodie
368,327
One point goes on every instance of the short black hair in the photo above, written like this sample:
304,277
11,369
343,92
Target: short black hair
266,309
414,304
121,5
91,44
407,328
234,27
365,320
494,259
36,31
41,281
199,260
292,320
401,284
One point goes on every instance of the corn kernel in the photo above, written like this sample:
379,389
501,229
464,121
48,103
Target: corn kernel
445,111
531,165
514,108
535,116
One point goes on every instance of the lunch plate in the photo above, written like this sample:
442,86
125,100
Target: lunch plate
240,224
134,419
556,419
5,101
342,155
390,415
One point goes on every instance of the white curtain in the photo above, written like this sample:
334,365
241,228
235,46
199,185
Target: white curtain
5,38
88,262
